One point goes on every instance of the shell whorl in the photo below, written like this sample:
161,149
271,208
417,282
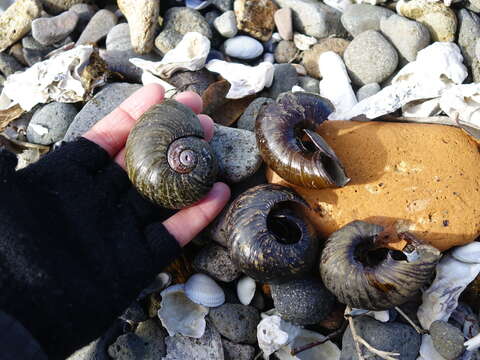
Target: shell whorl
167,158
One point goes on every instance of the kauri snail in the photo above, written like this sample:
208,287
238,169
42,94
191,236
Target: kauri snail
167,158
366,276
268,240
290,146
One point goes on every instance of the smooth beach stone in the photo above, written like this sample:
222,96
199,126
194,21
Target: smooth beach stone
98,27
284,23
8,64
311,57
309,84
468,34
118,38
226,24
419,178
285,51
285,77
223,5
48,31
447,339
358,18
255,17
243,47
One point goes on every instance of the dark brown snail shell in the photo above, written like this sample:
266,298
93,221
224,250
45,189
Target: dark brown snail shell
290,146
364,275
270,241
167,158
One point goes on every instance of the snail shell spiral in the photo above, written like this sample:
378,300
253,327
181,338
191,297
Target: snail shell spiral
167,158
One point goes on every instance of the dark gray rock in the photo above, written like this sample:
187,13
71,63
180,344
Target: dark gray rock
358,18
8,64
447,339
127,347
236,322
215,260
48,31
394,337
309,84
236,152
208,347
303,301
285,51
99,106
284,78
249,116
98,27
50,123
118,38
134,313
234,351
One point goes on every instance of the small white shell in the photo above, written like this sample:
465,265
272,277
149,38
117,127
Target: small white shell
469,253
180,315
203,290
246,289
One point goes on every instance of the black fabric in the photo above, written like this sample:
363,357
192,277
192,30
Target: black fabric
77,244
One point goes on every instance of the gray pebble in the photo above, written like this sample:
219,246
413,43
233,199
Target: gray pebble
215,260
394,337
236,152
8,64
208,347
98,27
234,351
4,4
226,24
118,38
33,51
243,47
48,31
50,123
473,5
127,347
285,51
408,36
85,12
284,78
468,33
249,116
223,5
447,339
304,301
309,84
99,106
367,90
217,229
370,58
236,322
358,18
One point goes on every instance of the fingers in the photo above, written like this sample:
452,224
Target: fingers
112,131
187,223
192,100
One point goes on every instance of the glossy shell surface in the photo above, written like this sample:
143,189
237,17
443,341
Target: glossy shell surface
203,290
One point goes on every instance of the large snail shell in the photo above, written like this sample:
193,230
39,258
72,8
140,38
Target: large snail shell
366,276
167,158
268,240
288,142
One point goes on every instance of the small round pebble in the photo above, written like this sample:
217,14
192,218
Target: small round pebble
249,116
118,38
215,260
367,90
358,18
285,51
50,123
234,351
226,24
303,302
236,322
243,47
447,339
370,58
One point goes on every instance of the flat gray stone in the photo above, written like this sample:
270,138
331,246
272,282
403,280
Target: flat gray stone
236,322
118,38
48,31
237,153
358,18
237,351
249,116
215,260
98,107
447,339
119,62
98,27
50,123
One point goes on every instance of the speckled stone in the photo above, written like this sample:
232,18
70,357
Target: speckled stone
118,38
370,58
358,18
447,339
311,57
255,17
285,51
302,302
236,322
249,116
215,260
98,27
237,351
367,90
48,31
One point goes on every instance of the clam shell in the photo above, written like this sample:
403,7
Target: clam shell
203,290
469,253
246,289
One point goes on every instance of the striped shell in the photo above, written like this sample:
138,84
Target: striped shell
366,276
203,290
167,158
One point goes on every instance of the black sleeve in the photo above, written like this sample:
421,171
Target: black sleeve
77,244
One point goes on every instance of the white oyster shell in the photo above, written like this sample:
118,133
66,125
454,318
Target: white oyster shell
244,80
463,101
273,333
149,78
326,351
246,289
190,54
203,290
180,315
335,85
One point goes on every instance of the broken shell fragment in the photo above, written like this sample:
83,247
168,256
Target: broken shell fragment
203,290
290,146
268,239
180,315
364,275
246,290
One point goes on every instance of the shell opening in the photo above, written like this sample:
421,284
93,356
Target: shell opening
370,256
282,224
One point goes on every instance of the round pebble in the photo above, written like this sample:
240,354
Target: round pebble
118,38
447,339
226,24
249,116
285,51
243,47
50,123
223,5
311,58
48,31
358,18
370,58
236,322
303,301
215,260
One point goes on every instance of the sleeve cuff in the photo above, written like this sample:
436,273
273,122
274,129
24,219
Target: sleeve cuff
162,244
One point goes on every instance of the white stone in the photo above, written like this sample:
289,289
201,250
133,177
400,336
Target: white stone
325,351
437,68
335,85
303,42
473,343
149,78
244,80
273,333
226,24
463,101
243,47
190,54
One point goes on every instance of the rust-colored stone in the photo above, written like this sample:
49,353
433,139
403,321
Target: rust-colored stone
311,57
231,110
255,17
214,96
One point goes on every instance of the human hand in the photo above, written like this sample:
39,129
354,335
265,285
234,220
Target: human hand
111,134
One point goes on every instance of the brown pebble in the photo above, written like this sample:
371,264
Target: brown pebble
283,21
311,57
255,17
